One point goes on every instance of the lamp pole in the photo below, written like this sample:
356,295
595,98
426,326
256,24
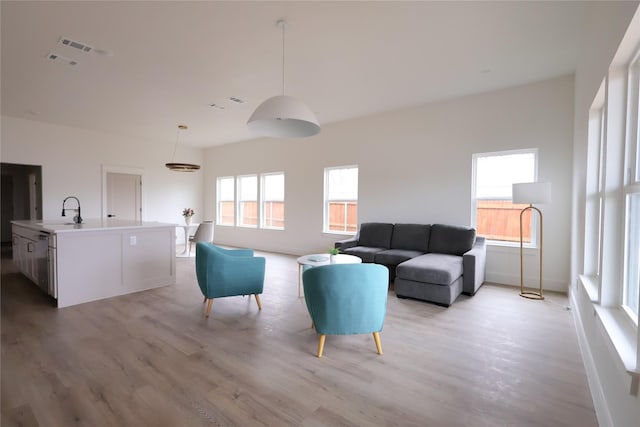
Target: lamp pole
530,294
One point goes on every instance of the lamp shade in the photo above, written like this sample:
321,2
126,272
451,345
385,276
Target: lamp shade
182,167
531,192
283,117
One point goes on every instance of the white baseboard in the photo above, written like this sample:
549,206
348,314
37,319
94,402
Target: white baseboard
286,250
597,394
513,280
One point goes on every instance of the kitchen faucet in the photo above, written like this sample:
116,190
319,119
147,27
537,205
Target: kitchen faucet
77,219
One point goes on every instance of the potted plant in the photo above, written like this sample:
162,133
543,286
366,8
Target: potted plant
332,254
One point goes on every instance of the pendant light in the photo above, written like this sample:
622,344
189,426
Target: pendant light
283,116
180,167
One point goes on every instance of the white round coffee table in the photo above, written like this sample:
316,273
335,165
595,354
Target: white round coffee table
316,260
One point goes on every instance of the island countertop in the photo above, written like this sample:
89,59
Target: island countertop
61,226
78,263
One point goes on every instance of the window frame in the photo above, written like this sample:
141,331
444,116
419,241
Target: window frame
594,193
600,188
631,188
634,190
240,208
262,209
617,175
327,201
535,223
218,200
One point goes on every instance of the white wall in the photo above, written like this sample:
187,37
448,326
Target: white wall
415,166
610,384
72,161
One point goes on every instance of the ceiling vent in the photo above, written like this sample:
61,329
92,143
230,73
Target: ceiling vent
75,44
61,59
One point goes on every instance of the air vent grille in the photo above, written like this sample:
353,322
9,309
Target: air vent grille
75,44
61,59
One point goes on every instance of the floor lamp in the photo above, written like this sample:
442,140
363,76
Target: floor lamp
530,193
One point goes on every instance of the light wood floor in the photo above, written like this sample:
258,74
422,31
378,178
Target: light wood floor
152,359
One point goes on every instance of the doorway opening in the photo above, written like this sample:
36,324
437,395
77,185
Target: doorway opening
21,196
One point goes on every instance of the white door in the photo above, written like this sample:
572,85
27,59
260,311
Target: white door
124,196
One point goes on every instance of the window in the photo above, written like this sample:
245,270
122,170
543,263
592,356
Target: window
632,256
240,203
611,271
634,116
631,280
594,191
600,189
247,200
272,214
341,200
226,201
493,214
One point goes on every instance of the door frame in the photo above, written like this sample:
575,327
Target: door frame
126,170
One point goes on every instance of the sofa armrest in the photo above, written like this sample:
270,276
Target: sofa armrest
474,264
346,243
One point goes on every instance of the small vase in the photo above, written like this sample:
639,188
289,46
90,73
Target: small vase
187,220
332,259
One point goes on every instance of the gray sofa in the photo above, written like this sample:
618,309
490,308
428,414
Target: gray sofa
434,263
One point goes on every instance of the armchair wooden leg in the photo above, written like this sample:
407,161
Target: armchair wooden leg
209,304
258,301
376,338
321,345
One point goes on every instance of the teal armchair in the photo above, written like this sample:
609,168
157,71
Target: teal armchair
228,272
347,299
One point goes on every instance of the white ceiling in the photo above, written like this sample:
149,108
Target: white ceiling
170,60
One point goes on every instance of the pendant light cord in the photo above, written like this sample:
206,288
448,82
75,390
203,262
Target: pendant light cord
175,147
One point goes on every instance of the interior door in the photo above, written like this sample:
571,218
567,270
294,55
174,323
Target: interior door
124,196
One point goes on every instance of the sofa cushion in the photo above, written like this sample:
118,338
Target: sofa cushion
393,257
365,253
375,235
451,239
414,237
441,295
437,269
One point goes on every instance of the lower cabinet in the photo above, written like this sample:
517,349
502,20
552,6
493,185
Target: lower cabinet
30,256
24,256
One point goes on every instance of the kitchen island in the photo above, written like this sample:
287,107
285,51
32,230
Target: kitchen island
77,263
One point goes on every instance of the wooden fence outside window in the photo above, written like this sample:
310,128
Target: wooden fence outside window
343,216
500,220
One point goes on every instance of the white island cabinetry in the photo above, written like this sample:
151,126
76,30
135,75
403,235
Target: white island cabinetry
27,252
103,259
